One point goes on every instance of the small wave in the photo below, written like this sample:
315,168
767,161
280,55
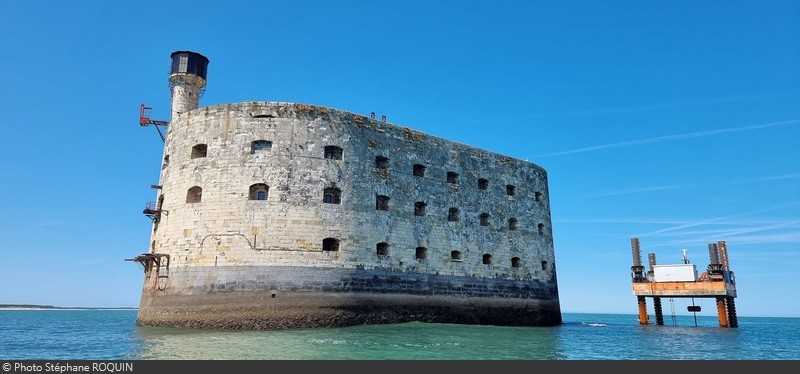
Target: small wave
594,324
328,341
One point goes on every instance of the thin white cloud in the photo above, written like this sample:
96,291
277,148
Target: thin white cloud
702,242
793,237
610,111
791,254
774,178
718,219
747,181
633,190
635,220
667,138
689,233
738,231
649,107
774,275
675,187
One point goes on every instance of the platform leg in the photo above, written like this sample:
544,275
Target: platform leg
722,312
644,319
659,312
733,320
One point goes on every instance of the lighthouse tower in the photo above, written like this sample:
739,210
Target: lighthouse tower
187,81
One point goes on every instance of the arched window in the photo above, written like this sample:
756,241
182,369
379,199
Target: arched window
382,249
381,162
421,253
453,215
381,202
419,208
487,259
511,190
483,184
166,162
258,146
419,170
456,256
330,244
544,265
484,219
333,152
194,195
538,196
516,262
199,150
541,229
332,195
259,191
512,224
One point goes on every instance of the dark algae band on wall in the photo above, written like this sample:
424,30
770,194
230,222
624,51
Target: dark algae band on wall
274,215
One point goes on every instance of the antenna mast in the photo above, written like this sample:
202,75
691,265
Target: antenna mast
145,120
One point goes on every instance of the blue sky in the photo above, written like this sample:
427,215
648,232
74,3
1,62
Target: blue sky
676,122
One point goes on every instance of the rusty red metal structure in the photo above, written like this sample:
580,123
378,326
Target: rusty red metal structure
717,282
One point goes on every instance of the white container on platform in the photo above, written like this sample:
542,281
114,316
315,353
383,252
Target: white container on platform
675,273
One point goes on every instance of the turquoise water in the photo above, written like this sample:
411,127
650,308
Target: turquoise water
113,335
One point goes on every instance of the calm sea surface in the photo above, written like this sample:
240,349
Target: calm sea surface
113,335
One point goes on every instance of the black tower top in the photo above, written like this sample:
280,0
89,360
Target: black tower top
186,62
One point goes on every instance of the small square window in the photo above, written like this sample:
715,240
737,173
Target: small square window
420,209
333,152
381,202
511,190
330,245
332,196
419,170
382,249
512,224
199,151
259,146
452,215
259,191
421,253
381,162
452,177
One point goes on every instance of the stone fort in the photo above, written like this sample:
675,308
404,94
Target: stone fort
274,215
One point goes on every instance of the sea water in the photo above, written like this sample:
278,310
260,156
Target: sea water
113,335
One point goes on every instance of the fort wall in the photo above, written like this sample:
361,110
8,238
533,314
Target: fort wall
228,227
263,204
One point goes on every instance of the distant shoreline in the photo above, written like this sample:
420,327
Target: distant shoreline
51,307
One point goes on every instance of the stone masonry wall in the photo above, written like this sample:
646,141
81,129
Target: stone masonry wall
227,229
